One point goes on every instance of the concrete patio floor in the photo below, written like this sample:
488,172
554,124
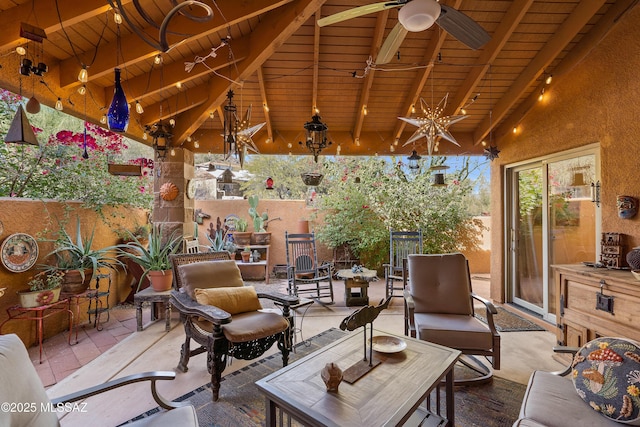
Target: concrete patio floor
119,350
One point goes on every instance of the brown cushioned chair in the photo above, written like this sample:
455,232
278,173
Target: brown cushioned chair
439,309
244,334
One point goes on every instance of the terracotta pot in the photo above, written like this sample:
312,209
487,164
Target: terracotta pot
302,226
161,280
246,256
29,299
73,283
242,238
261,238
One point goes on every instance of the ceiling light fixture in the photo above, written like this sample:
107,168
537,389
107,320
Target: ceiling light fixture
414,161
418,15
118,115
83,75
316,136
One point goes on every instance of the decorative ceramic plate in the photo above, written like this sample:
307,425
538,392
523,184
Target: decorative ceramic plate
387,344
19,252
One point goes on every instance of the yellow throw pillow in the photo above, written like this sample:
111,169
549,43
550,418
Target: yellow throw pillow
233,300
209,274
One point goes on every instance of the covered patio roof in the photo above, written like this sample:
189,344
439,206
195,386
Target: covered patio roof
284,66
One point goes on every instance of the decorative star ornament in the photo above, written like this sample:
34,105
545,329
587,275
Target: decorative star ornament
432,125
245,135
491,152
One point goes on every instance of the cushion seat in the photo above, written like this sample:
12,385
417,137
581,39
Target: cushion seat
453,330
249,326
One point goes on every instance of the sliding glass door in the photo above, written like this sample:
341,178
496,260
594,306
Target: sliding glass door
550,220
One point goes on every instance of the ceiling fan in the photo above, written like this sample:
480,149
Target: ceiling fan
416,16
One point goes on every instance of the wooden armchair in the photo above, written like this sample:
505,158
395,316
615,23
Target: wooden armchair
304,274
401,245
238,330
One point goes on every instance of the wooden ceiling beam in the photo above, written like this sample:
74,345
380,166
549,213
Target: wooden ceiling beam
573,58
378,37
169,75
47,18
581,15
137,50
265,104
175,106
276,27
499,38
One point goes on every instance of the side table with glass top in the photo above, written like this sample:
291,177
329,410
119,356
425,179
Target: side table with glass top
38,314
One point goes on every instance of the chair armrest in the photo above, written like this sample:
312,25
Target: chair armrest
408,300
565,350
153,377
188,306
490,311
279,297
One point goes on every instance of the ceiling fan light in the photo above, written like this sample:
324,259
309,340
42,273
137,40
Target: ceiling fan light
418,15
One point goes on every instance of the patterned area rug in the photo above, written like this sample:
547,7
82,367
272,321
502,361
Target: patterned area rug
241,405
507,321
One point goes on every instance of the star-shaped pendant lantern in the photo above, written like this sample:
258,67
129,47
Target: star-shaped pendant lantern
432,125
491,152
244,137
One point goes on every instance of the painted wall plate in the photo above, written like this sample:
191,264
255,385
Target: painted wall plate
19,252
191,189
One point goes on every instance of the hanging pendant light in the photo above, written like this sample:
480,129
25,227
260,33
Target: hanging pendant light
20,131
414,159
118,115
316,136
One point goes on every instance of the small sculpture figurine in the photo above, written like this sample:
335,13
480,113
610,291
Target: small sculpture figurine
332,376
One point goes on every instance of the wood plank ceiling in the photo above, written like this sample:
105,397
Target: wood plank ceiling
283,65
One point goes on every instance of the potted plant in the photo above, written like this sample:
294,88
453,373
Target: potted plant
139,232
241,236
260,235
44,289
78,260
154,258
218,238
246,254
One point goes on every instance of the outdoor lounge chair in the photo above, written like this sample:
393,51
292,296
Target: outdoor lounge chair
27,403
231,324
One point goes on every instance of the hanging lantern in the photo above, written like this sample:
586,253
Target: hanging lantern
118,115
269,183
413,159
316,136
20,131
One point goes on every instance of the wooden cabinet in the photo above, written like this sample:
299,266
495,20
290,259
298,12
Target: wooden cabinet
593,302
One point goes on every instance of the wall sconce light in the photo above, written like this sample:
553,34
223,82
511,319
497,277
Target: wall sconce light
595,193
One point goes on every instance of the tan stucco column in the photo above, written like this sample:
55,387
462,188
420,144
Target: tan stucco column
175,214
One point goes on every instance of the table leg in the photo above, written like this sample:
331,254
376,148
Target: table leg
270,413
167,315
139,314
40,325
71,323
449,398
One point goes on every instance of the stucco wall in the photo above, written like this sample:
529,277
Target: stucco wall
596,102
39,219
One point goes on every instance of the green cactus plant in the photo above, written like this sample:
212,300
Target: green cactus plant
259,220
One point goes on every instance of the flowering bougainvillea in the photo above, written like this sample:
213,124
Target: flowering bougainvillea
70,165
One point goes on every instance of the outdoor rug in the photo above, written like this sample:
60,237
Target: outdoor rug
507,321
241,404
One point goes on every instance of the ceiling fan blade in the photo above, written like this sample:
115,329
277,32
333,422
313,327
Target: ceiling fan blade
358,11
462,27
391,44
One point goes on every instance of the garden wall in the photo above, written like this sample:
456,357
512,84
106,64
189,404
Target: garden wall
39,219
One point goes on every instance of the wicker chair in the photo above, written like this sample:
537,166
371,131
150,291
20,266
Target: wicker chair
244,336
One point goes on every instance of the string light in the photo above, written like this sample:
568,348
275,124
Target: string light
364,110
82,90
265,106
515,129
413,109
139,108
172,121
103,119
541,96
144,136
21,51
173,152
189,138
157,59
83,75
179,85
59,104
117,17
196,144
548,79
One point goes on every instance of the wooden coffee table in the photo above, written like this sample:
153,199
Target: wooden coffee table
389,395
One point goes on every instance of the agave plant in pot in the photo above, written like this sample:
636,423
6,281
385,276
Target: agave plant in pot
154,258
78,260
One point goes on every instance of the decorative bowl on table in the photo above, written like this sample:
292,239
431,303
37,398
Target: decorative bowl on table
387,344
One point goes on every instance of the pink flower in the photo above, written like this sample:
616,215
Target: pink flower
142,189
45,172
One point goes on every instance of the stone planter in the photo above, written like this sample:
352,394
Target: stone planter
261,238
30,299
